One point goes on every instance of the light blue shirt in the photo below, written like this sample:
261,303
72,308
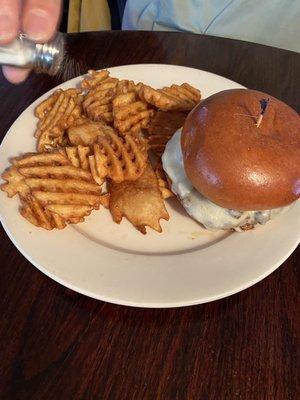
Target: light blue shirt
271,22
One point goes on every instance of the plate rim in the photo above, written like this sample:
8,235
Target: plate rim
116,301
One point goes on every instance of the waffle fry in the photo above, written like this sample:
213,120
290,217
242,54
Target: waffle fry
78,156
39,216
111,157
55,172
83,157
162,127
119,158
56,114
53,192
86,134
70,185
125,86
163,182
45,106
140,201
176,97
98,101
64,198
131,115
68,212
105,200
98,134
14,182
40,159
94,78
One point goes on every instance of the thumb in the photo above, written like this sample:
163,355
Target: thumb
40,19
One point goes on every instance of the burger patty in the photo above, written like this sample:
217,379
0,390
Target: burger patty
209,214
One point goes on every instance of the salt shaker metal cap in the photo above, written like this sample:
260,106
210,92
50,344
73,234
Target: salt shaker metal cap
24,53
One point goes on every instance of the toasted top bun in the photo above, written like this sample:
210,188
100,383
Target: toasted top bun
236,164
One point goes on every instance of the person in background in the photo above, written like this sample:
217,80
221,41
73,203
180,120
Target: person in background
270,22
37,18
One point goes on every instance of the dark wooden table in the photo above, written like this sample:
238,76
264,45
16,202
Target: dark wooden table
59,345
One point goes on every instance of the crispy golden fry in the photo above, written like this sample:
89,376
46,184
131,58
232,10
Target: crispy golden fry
35,213
67,198
98,164
78,156
163,182
53,215
162,127
73,156
119,158
56,172
15,182
140,201
56,114
131,115
45,166
63,109
83,154
57,165
104,200
59,221
125,86
83,157
185,92
176,97
36,159
98,101
100,132
165,191
94,78
45,106
55,185
113,156
53,192
48,140
67,211
122,100
86,134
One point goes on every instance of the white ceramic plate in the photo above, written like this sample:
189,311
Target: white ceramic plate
184,265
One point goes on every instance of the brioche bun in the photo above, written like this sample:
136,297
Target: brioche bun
236,164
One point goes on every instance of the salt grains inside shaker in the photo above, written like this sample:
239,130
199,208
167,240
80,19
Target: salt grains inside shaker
44,58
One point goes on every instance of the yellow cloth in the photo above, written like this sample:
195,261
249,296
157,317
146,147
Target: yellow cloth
88,15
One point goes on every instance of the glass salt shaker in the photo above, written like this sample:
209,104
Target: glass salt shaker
42,58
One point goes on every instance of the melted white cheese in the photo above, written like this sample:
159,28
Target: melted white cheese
209,214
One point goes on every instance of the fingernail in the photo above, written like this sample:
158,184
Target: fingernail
36,25
6,27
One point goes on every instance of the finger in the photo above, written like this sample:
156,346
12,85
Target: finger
9,20
15,75
40,18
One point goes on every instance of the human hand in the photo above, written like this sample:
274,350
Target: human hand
38,19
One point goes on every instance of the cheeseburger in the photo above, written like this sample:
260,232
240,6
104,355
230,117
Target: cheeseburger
236,161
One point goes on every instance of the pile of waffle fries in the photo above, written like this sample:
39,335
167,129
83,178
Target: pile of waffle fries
100,144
